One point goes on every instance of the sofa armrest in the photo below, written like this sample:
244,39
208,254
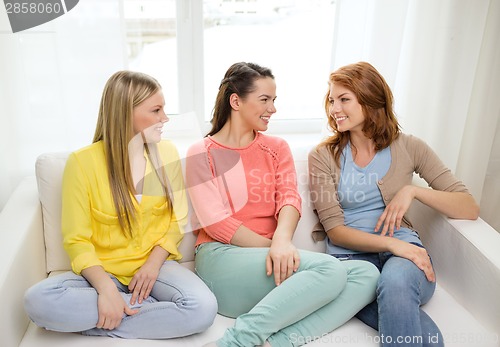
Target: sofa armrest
22,257
466,258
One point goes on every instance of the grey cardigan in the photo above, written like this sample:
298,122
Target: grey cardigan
409,155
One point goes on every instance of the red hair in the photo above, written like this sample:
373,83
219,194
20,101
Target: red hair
376,100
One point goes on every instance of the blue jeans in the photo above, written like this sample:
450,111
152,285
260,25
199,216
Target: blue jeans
180,304
402,288
323,294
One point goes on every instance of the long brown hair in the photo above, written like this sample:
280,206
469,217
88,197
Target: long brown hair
376,100
239,79
123,91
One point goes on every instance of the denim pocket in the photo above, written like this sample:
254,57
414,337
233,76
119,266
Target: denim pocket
343,256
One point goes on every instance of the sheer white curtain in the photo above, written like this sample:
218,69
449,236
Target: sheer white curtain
442,60
51,82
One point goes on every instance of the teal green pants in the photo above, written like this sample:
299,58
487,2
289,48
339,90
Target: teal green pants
322,295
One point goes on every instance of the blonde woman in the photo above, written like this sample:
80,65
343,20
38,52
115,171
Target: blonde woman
124,206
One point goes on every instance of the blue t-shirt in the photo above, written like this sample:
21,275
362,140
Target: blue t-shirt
360,197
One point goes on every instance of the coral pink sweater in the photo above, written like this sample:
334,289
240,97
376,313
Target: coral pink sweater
229,187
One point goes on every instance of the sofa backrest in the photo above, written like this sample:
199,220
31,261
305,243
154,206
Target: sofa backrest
302,238
49,170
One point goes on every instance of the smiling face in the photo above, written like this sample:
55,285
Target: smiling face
149,117
344,109
257,107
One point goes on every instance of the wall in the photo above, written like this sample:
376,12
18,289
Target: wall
51,80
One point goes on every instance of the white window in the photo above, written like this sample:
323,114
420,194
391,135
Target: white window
151,38
189,44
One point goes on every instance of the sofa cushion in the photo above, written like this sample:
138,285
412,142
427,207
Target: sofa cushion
302,237
49,170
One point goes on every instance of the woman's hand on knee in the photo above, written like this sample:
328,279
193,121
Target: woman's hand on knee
417,255
142,283
111,306
283,260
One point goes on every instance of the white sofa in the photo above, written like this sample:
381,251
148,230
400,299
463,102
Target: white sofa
466,254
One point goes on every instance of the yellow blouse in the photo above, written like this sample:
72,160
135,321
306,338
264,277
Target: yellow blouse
91,232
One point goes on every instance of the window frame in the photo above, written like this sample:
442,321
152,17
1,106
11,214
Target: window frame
190,60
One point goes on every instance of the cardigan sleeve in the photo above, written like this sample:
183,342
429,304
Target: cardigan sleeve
430,167
204,189
323,178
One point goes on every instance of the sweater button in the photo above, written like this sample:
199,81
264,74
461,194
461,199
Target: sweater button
380,182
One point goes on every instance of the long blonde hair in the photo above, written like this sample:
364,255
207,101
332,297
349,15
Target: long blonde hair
376,99
123,91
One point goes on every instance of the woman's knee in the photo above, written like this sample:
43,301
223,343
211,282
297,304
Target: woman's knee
40,302
35,303
204,310
206,313
403,285
65,302
323,264
363,271
400,275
